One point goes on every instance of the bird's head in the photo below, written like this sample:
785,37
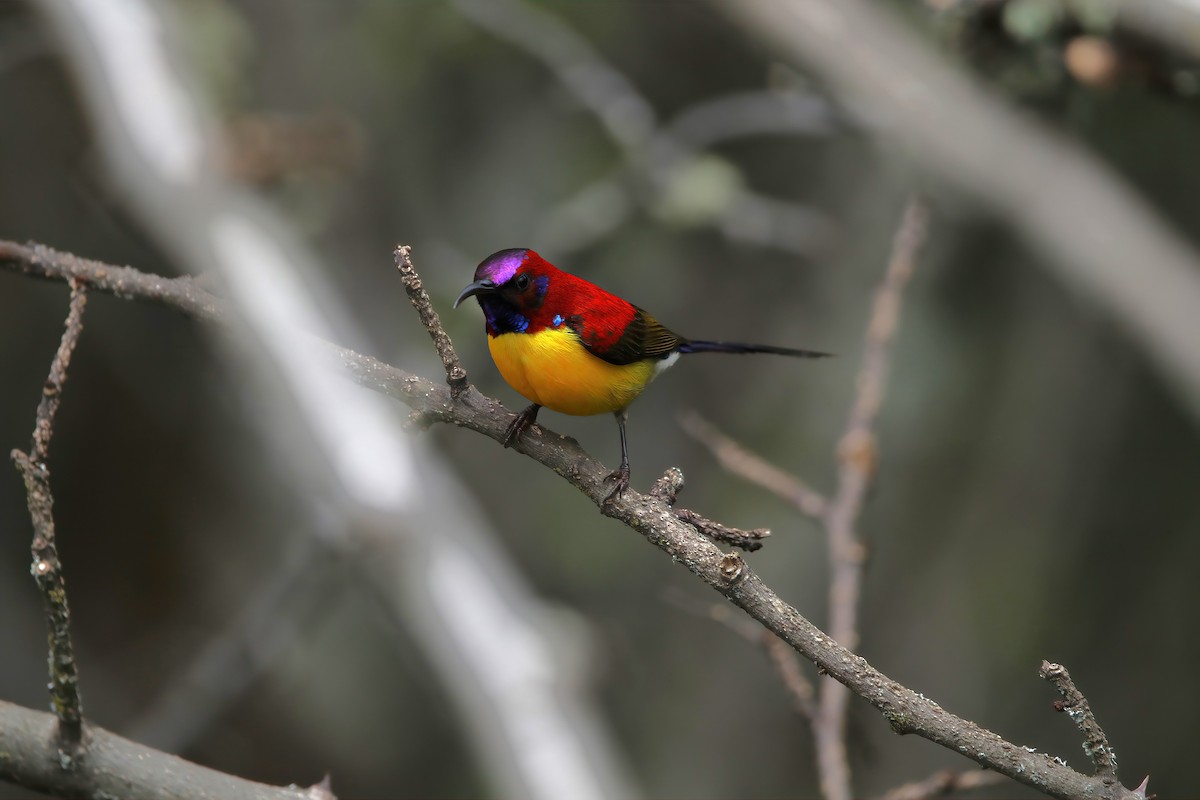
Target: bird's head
511,286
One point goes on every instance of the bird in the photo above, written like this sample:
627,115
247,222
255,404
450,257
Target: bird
567,345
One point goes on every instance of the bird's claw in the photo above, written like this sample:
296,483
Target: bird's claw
519,425
620,480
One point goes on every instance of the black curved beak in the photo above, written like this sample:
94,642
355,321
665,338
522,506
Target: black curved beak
478,287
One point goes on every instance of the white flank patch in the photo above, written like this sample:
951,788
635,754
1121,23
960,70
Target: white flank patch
665,364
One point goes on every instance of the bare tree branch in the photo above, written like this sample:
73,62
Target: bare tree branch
905,710
1095,743
58,753
667,489
857,454
456,376
116,767
47,568
748,540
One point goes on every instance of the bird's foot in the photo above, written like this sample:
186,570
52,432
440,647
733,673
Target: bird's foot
620,480
520,425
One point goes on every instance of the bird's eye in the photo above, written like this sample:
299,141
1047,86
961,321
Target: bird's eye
522,282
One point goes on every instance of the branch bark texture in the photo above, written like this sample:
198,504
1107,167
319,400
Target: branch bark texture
650,515
47,569
1075,705
114,767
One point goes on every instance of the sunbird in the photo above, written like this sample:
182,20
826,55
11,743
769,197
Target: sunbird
569,346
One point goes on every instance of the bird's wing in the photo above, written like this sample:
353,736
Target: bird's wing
642,338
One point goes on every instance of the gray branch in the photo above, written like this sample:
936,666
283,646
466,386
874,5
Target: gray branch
47,568
116,767
653,517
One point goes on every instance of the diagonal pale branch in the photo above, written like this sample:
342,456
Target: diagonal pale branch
742,462
1090,224
905,710
654,153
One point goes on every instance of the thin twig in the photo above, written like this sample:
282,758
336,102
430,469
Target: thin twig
737,459
1095,743
905,710
456,376
748,540
857,454
666,489
720,613
943,783
52,390
782,657
787,666
267,624
47,569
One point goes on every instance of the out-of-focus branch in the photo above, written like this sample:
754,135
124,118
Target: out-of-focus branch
1095,743
236,656
1173,22
905,710
857,456
116,767
742,462
755,113
782,656
47,569
666,168
1091,226
943,783
787,666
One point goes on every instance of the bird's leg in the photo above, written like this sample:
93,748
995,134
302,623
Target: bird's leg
521,424
620,478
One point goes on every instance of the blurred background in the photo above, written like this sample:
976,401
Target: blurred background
1036,497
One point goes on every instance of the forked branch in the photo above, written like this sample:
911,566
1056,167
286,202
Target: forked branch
47,569
905,710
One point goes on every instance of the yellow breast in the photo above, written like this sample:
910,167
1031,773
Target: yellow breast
552,368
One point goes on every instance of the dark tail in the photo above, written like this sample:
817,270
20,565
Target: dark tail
696,346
